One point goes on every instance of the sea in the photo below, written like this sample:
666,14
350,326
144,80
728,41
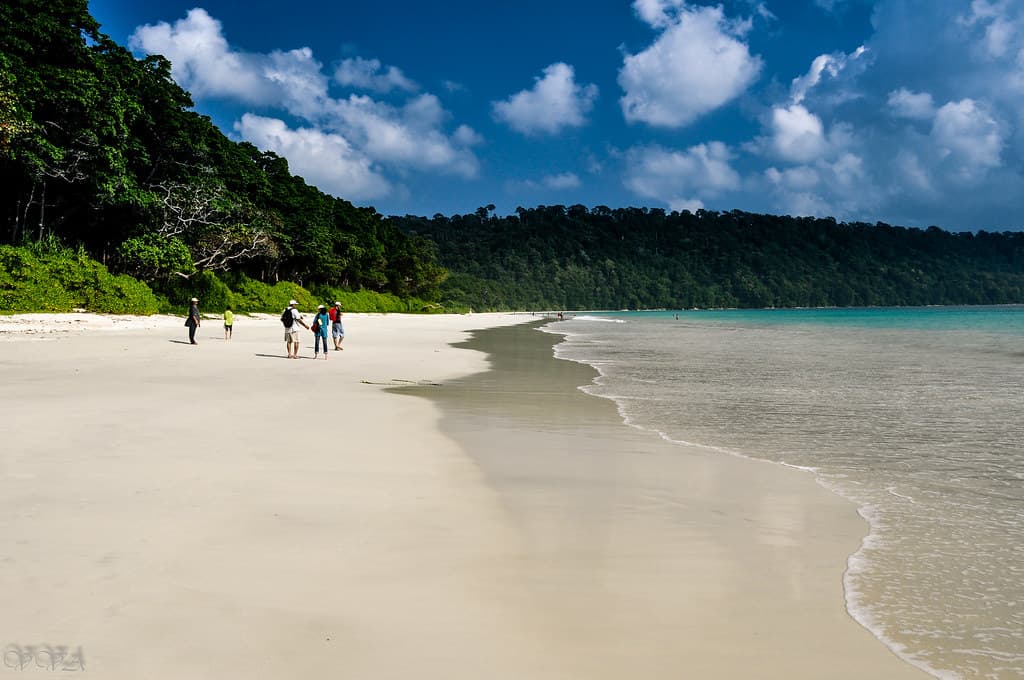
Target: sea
916,415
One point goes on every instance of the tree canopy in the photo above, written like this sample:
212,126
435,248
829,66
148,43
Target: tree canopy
557,257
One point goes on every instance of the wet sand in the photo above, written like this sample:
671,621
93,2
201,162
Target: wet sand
650,558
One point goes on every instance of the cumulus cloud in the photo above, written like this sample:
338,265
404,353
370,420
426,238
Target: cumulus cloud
915,105
837,188
681,178
364,137
823,65
800,178
969,134
201,59
902,129
697,64
565,180
406,136
370,74
325,160
555,102
797,134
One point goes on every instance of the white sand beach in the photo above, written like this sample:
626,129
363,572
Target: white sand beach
221,512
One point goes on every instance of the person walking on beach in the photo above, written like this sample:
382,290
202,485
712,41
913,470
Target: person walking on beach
337,329
321,322
290,317
193,321
229,322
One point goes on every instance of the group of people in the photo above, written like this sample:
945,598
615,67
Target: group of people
324,321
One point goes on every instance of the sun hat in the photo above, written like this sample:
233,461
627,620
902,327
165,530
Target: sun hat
292,302
195,299
337,304
321,307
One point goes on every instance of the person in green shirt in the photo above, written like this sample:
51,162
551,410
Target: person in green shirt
229,321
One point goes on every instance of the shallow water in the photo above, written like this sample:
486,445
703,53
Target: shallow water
914,414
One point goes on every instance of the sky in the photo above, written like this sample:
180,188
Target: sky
909,112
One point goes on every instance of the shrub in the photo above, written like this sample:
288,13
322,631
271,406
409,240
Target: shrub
47,278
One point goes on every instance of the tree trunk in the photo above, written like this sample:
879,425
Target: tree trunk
42,212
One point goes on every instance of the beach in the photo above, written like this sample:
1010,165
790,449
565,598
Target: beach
407,508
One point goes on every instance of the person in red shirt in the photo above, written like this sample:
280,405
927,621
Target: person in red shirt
337,329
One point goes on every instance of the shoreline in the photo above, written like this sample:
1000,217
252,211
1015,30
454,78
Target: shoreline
854,604
596,447
214,512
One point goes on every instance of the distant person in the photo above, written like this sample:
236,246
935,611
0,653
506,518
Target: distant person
321,322
337,329
290,317
193,321
229,322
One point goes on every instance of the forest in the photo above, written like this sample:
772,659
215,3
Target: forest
557,257
116,196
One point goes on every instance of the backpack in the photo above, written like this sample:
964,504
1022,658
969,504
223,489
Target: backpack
286,317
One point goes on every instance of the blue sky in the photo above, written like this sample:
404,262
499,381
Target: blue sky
909,112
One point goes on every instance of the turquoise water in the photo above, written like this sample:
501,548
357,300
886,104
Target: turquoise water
913,414
996,319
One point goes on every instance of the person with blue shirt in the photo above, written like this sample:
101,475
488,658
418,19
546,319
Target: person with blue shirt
321,322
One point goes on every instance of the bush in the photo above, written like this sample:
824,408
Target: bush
213,293
48,278
372,301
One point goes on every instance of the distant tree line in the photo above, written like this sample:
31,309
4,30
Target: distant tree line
103,151
557,257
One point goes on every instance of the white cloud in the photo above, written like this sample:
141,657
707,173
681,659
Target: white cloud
912,173
839,188
969,134
801,178
658,13
406,136
326,160
467,136
797,134
202,61
370,74
679,177
555,102
565,180
681,204
823,65
1001,26
913,105
696,65
366,136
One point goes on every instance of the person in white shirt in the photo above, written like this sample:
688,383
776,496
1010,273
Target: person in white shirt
291,332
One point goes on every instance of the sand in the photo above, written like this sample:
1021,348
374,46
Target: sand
222,512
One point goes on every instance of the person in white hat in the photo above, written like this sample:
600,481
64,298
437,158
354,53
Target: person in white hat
193,321
290,317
